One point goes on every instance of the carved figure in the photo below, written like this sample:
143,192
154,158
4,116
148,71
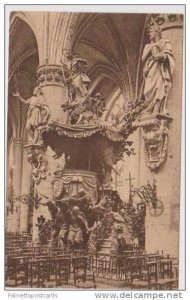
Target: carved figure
78,91
83,113
60,226
78,228
84,109
89,110
38,113
158,70
109,223
63,222
114,121
98,104
78,82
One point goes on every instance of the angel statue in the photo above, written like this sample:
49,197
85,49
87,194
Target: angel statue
37,115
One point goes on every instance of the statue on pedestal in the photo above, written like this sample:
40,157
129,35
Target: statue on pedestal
37,115
158,70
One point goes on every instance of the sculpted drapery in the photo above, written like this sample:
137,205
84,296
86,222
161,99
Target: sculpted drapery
158,70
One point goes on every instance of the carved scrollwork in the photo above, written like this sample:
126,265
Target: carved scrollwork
36,157
58,184
155,135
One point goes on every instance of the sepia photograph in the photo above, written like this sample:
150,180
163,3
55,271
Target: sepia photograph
93,150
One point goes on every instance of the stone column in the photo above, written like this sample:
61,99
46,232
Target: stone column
17,181
51,80
162,231
9,199
25,190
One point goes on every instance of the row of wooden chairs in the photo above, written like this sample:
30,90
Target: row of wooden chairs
139,271
41,270
37,265
152,274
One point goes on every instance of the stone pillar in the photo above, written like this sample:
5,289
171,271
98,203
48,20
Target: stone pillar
17,181
25,190
162,232
9,199
51,80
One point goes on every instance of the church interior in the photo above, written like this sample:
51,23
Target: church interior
93,150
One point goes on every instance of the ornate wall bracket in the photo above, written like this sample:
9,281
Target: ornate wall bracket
37,158
155,135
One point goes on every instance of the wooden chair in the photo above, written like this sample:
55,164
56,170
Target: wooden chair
16,271
83,273
166,268
62,273
132,268
148,279
166,279
38,272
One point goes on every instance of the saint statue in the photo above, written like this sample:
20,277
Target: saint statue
38,113
158,70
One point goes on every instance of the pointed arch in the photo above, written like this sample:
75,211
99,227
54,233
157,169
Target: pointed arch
25,17
62,36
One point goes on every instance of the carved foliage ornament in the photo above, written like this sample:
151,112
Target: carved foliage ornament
36,157
50,74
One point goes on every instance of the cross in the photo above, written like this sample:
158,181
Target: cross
130,181
130,187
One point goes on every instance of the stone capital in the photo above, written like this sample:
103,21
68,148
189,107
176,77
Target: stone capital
50,75
18,142
166,21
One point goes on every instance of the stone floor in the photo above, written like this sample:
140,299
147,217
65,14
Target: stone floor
101,283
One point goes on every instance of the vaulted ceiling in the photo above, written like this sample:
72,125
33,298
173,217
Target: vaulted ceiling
112,45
